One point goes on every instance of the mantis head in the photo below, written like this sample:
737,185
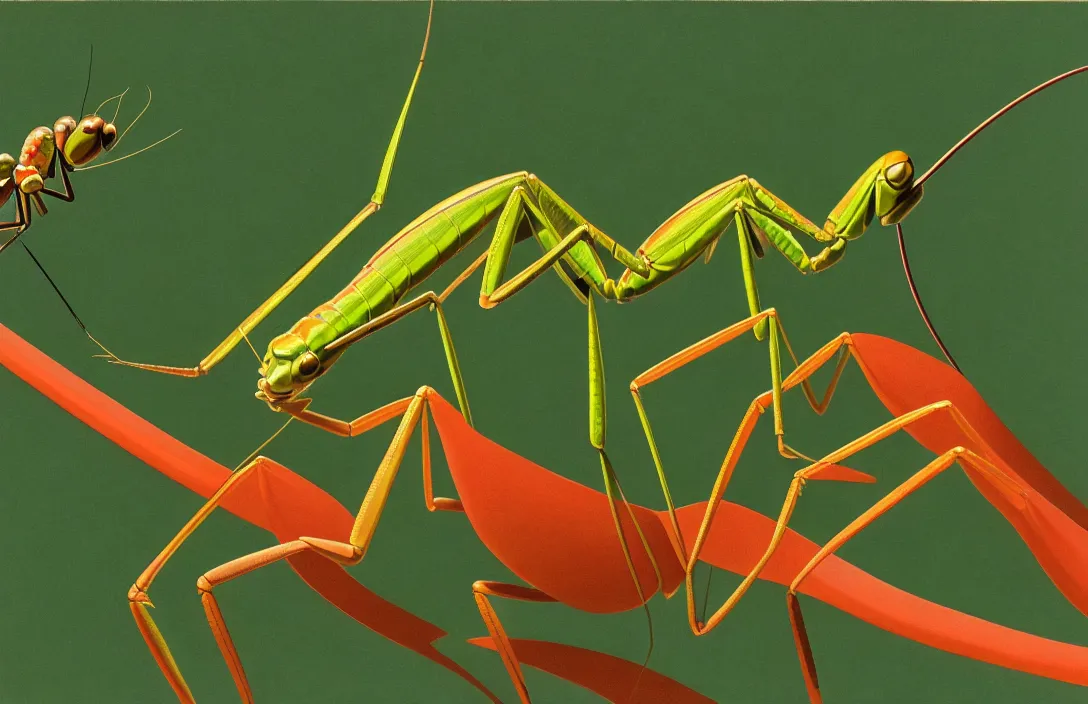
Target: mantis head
81,143
290,365
886,190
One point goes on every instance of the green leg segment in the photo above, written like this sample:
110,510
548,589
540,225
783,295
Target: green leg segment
432,300
597,423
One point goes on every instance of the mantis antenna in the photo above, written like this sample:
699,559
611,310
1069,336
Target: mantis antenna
933,169
87,88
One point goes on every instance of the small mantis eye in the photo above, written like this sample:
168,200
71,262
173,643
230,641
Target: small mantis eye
308,365
898,175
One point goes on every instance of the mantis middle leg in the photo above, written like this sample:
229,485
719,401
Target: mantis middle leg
481,590
705,346
544,208
757,408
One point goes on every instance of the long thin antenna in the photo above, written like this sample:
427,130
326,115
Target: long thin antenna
117,109
87,89
133,123
918,299
109,100
990,120
933,169
126,156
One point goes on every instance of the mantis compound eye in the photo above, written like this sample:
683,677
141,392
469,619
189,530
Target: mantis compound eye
308,365
899,174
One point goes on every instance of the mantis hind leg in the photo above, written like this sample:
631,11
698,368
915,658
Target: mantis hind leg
977,467
739,442
481,590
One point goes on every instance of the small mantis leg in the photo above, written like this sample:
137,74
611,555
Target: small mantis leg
481,591
966,458
246,326
745,239
20,224
68,194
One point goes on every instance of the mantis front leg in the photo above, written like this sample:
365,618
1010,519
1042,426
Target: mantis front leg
426,300
139,601
265,309
414,410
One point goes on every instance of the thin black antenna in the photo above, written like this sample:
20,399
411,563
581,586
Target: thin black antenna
86,90
918,299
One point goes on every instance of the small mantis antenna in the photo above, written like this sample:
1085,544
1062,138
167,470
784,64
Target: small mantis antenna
110,100
126,156
87,89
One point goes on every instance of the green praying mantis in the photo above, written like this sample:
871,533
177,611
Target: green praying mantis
524,207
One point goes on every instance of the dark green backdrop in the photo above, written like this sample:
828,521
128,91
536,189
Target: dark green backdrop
628,111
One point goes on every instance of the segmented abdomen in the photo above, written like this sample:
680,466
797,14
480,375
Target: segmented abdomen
414,253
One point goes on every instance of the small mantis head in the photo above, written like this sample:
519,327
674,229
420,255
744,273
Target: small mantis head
886,190
81,143
293,361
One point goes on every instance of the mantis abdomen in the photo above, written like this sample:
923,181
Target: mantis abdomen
407,260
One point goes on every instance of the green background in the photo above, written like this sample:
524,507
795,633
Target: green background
628,111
